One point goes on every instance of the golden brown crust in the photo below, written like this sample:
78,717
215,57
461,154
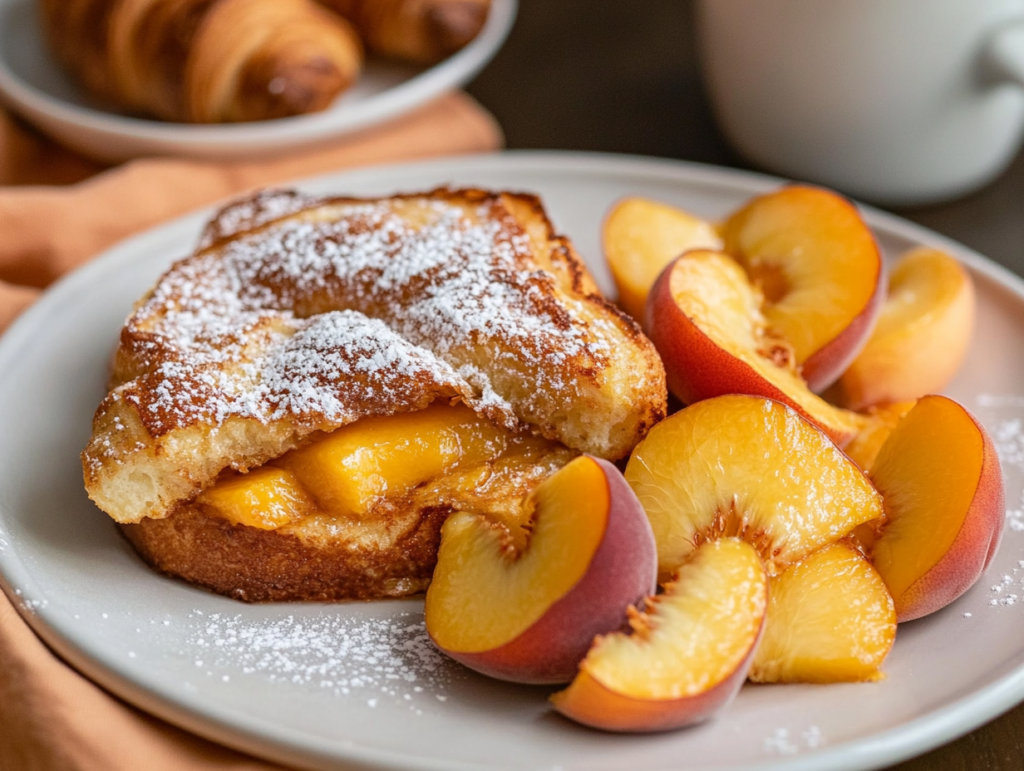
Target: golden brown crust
297,314
421,31
272,566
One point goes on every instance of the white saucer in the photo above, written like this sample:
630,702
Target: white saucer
41,92
357,685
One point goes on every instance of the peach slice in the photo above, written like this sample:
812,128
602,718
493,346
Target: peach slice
939,476
641,237
530,616
864,447
351,467
266,498
688,654
746,466
704,317
830,620
921,337
820,270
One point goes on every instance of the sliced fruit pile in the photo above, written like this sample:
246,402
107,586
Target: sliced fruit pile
780,557
530,615
795,300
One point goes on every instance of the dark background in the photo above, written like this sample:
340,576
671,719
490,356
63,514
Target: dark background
621,76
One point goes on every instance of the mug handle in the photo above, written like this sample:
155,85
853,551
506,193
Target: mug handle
1005,53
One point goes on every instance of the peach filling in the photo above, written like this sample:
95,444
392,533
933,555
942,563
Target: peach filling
347,471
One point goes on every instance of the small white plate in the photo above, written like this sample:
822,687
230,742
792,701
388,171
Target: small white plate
357,685
38,89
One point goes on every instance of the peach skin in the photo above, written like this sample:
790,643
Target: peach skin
939,477
530,615
921,337
819,269
704,317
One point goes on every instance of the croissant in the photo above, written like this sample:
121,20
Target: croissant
421,31
206,61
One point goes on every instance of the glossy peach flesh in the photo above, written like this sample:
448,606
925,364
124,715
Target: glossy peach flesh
530,615
821,271
922,335
688,653
520,586
830,619
940,478
344,473
746,466
266,498
704,317
865,446
641,237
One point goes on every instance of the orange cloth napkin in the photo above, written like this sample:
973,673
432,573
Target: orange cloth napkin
46,231
56,211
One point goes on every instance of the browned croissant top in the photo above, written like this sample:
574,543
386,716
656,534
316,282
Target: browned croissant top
206,60
423,31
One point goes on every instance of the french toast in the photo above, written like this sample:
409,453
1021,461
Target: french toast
298,316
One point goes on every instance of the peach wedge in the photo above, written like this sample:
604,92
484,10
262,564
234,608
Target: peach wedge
819,269
641,237
864,447
939,477
530,615
704,317
750,467
687,655
830,619
922,334
349,469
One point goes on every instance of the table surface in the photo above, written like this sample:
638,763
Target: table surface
615,76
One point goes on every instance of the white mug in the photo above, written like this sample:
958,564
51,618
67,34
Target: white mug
895,101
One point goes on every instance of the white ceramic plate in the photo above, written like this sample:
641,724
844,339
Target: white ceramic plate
356,685
38,89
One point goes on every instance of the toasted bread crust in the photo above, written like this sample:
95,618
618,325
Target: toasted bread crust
297,314
389,553
270,566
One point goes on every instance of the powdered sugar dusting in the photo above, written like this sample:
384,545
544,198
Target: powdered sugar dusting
330,368
786,742
289,320
28,605
367,659
1015,514
265,206
1004,418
